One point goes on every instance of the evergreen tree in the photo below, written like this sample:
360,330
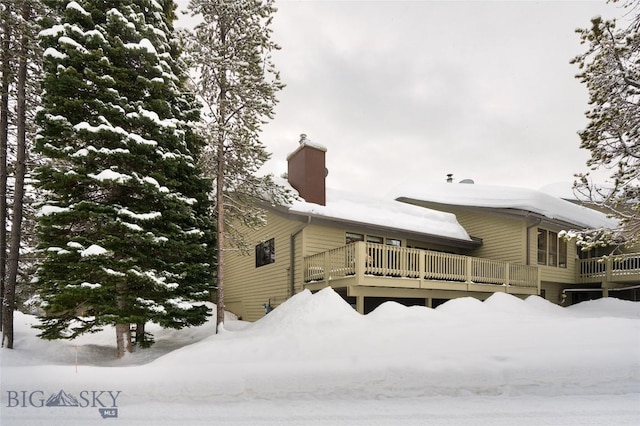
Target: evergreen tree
125,228
610,69
230,52
6,32
20,67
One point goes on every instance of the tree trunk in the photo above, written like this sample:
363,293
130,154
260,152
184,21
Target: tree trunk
4,138
123,339
220,236
123,331
220,174
140,338
16,224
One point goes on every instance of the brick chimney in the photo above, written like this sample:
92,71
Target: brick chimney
307,171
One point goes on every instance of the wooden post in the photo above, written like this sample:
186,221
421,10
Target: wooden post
422,266
507,271
360,304
360,258
608,270
468,266
326,275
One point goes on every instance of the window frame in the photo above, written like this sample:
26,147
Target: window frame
265,252
552,250
352,237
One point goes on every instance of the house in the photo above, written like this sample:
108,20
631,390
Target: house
524,226
430,244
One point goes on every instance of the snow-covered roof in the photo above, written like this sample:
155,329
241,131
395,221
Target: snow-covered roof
366,210
562,190
566,191
503,197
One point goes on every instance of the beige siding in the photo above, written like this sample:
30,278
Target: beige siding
502,238
552,291
322,238
247,287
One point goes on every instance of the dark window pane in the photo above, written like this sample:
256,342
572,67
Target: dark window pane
542,247
553,249
562,253
265,252
353,237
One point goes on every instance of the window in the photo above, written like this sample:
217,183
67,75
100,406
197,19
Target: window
552,251
353,237
265,253
596,252
542,247
562,253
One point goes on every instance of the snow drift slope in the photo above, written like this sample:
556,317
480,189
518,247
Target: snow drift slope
315,346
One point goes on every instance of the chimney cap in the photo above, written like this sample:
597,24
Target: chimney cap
305,141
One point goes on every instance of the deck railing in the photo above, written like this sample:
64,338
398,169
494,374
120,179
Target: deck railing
624,267
371,259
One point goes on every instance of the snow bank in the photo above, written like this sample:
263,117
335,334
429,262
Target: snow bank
315,346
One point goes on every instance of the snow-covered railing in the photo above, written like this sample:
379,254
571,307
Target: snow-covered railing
623,267
363,259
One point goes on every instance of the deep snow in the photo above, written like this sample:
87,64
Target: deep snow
314,360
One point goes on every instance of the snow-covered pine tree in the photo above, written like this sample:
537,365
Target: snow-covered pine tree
125,229
235,79
610,69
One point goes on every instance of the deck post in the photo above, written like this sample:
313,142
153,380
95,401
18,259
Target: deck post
608,269
360,258
360,304
327,267
507,270
468,266
422,267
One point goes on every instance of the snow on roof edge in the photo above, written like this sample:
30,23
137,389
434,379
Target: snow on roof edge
357,208
502,197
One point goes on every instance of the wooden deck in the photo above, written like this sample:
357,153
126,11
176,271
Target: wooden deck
378,265
612,269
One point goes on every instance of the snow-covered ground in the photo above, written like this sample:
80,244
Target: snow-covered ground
315,361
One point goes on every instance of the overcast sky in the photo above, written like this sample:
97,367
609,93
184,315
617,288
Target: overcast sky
412,90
